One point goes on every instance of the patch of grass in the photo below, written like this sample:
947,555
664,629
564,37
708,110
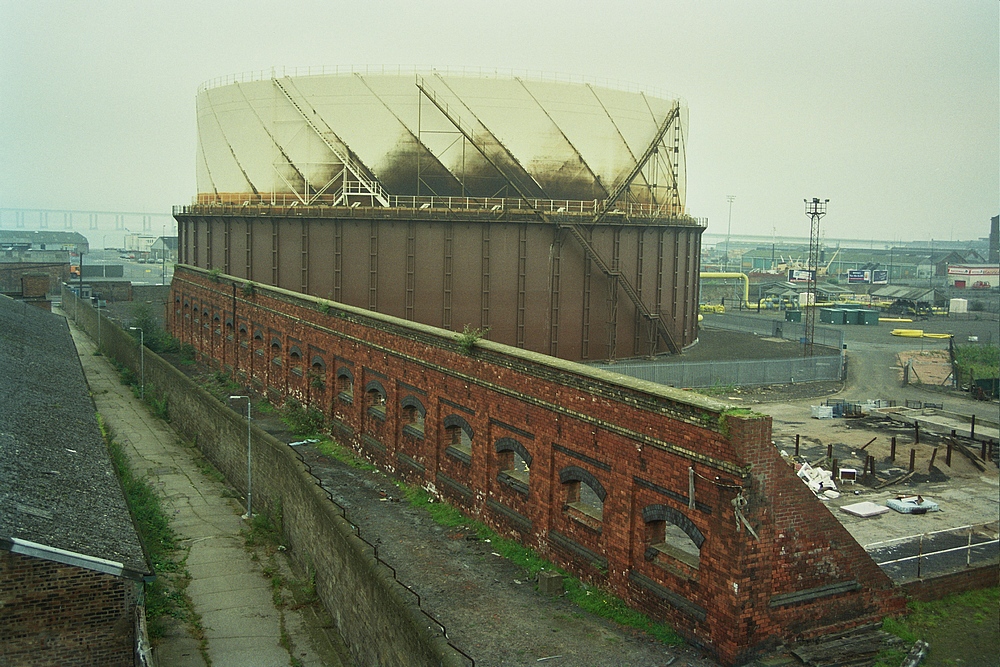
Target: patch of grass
895,626
717,389
338,452
302,420
152,334
976,362
608,606
263,531
890,657
949,626
165,595
594,600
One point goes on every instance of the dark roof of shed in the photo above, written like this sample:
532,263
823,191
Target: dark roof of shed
903,293
14,236
57,484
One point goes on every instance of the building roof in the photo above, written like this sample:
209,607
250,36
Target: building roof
22,236
58,490
916,294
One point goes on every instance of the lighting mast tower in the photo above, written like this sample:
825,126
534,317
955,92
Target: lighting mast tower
815,209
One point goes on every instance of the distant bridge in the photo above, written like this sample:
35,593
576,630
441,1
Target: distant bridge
95,225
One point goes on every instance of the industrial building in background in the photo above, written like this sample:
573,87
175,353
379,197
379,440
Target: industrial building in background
550,214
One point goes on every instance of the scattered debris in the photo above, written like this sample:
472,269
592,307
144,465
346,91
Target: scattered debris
897,480
864,509
818,480
855,649
912,504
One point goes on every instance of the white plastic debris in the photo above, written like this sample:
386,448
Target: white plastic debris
817,479
821,411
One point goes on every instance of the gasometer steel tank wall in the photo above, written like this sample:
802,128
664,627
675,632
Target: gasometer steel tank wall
549,212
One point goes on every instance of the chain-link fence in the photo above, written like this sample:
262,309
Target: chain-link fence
764,326
736,373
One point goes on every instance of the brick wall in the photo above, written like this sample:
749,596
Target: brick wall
960,581
613,462
62,615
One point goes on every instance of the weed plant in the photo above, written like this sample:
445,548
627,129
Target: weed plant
302,420
947,619
592,599
165,595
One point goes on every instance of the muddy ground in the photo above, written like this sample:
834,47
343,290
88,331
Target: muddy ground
493,611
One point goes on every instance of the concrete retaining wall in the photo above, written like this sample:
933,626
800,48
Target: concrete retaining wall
376,615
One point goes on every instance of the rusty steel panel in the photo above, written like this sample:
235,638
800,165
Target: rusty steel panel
467,297
260,234
503,282
392,268
451,274
322,251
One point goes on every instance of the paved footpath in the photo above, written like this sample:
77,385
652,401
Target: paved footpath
227,588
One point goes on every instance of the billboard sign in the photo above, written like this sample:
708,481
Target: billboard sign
800,275
880,277
859,276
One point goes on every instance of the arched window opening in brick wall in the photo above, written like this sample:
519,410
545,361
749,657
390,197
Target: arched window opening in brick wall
413,414
671,537
295,360
514,464
258,342
458,437
217,324
583,496
375,400
275,351
243,335
345,385
317,373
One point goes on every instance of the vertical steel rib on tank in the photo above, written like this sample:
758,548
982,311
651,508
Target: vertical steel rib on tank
551,212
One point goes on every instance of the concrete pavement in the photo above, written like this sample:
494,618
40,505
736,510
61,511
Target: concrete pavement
242,626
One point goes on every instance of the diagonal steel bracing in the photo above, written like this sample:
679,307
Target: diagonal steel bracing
370,185
490,147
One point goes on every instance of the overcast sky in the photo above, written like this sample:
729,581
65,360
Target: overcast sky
889,108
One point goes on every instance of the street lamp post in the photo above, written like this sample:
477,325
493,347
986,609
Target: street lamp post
142,360
249,514
729,229
163,255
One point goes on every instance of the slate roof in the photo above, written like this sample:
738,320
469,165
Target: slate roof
38,237
57,485
901,293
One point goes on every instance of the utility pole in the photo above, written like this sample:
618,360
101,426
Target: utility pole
729,229
815,209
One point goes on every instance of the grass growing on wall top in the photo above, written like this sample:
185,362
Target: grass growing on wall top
589,598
